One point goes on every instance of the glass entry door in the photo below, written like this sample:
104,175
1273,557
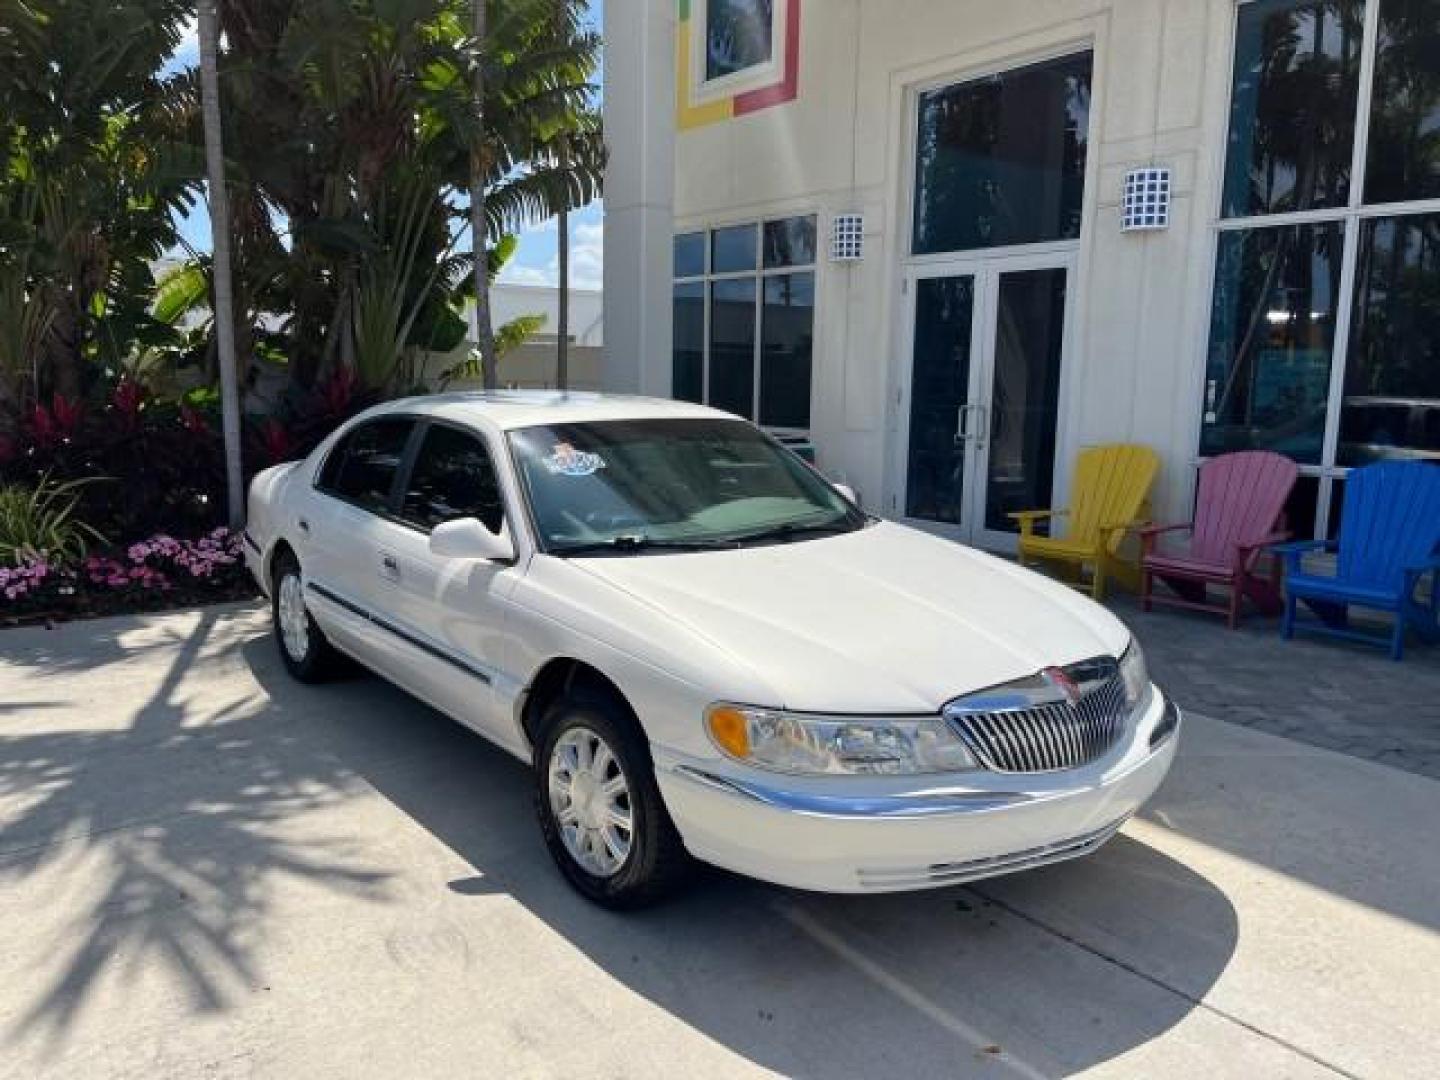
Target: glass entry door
980,413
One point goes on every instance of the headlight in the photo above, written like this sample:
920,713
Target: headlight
795,743
1134,675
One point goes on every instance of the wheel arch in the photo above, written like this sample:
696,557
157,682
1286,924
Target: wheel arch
562,675
272,559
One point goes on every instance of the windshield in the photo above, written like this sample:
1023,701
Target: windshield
631,485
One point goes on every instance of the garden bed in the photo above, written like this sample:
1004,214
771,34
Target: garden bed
157,574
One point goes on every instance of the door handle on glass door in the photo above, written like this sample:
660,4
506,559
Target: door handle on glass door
968,432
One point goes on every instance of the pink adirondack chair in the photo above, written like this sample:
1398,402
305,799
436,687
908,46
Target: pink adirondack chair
1241,499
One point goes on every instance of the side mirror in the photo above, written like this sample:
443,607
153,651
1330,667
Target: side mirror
847,491
466,538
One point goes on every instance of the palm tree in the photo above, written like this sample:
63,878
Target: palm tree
479,228
209,31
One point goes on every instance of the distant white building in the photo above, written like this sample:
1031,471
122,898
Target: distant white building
587,325
532,365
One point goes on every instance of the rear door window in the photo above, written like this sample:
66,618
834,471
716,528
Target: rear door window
362,467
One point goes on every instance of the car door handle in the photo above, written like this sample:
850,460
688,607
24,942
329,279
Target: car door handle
390,565
304,525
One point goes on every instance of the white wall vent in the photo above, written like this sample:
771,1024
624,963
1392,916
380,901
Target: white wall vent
847,238
1146,205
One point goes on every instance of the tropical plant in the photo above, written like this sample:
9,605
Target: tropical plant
93,167
40,522
332,107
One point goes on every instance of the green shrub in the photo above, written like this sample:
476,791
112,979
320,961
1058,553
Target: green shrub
41,521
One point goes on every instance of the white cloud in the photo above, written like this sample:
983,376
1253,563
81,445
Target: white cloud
587,257
526,275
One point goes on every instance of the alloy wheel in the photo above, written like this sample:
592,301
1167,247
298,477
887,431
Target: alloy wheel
590,798
294,619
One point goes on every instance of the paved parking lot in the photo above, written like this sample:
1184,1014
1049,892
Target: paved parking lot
209,871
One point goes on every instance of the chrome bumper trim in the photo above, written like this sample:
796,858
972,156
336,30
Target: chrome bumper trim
972,869
909,805
1167,727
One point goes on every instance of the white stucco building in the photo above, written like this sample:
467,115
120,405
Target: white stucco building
1282,289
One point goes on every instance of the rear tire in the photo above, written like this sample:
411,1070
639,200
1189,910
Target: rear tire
600,809
304,649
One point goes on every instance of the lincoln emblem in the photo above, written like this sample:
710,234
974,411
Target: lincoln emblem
1064,683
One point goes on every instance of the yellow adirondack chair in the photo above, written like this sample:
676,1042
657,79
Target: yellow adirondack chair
1108,498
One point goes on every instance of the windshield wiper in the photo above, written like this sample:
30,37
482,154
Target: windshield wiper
633,542
792,530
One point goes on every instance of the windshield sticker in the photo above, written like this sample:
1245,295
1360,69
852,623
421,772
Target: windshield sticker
565,460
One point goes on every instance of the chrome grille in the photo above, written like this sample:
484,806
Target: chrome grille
1060,718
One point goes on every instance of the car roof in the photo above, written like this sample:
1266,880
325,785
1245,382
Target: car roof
509,409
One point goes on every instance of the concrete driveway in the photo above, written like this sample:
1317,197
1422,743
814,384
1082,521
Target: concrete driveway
207,870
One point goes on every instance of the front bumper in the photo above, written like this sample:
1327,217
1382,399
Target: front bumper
807,836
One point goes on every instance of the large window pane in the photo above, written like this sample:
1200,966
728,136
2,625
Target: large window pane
1392,375
689,254
737,35
787,337
1403,156
1002,160
689,335
1292,106
732,346
732,249
1271,335
789,241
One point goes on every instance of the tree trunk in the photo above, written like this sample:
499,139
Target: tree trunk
562,257
209,32
562,319
484,328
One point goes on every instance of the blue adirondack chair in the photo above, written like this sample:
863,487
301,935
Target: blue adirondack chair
1389,541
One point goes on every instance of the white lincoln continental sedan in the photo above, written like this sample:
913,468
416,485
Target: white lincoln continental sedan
704,650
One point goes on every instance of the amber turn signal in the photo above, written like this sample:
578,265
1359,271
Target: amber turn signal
730,730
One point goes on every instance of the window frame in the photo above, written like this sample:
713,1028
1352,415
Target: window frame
1068,49
1350,216
703,89
1060,49
757,274
412,455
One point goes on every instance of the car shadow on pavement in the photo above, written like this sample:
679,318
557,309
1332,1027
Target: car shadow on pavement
813,985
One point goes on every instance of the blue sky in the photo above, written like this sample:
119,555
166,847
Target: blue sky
536,260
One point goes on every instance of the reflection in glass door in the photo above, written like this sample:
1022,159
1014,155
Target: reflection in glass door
1024,393
940,404
986,346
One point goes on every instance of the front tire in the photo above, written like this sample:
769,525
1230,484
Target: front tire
304,649
599,807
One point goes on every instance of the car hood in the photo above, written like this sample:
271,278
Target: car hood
887,619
